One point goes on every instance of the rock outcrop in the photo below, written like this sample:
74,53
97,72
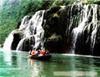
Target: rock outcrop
74,28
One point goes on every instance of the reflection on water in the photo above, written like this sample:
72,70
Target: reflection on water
17,64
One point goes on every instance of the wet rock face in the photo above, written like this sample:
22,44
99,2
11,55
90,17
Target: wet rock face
73,28
16,39
98,13
60,21
97,42
55,29
27,44
78,27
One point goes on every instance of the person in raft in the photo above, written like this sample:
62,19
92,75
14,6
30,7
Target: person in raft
38,52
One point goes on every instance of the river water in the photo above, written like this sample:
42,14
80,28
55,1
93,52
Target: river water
17,64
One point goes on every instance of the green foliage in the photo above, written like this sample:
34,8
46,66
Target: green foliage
14,10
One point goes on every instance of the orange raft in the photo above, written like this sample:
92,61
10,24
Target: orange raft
40,55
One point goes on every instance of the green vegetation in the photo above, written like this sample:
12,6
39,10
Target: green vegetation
14,10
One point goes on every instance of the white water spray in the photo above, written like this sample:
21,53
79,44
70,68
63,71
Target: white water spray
85,15
8,42
33,27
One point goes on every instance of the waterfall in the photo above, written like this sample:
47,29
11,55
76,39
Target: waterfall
94,20
88,19
8,42
32,27
76,25
24,23
20,44
82,24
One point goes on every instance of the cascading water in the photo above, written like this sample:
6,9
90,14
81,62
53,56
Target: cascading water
88,19
78,30
8,42
33,27
94,21
30,27
76,24
20,44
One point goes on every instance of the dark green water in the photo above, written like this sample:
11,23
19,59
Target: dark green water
17,64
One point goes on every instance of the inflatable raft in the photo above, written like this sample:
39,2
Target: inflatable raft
40,55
